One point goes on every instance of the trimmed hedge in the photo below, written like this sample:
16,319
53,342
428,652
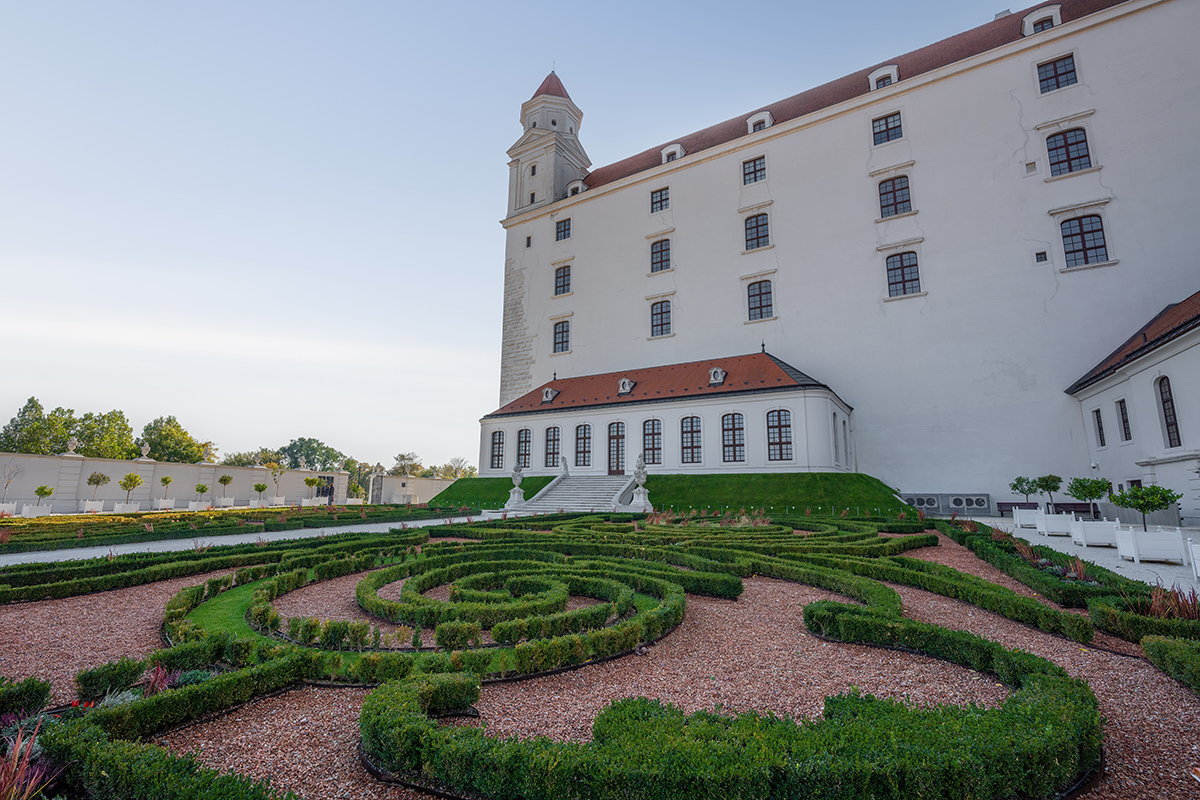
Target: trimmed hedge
1111,614
117,676
23,698
1179,658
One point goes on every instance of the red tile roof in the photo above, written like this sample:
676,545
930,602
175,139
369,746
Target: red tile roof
552,86
956,48
1170,323
754,373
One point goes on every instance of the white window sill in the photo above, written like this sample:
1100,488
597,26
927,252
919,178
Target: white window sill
760,319
562,353
897,216
904,297
660,272
656,338
758,249
564,294
1066,175
1082,267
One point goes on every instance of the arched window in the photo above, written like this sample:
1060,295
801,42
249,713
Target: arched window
583,445
882,81
902,274
759,297
779,435
497,449
524,445
616,448
562,336
562,280
1170,420
689,436
757,234
660,318
893,197
652,441
1083,241
660,255
1043,24
1068,151
759,125
733,438
552,447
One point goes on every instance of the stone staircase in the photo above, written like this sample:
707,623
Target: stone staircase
579,493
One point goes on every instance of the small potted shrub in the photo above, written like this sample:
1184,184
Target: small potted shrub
312,482
129,483
38,510
223,501
94,506
198,504
166,503
277,499
260,488
355,495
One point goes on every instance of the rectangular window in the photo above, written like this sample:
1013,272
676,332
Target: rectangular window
660,200
757,232
754,170
1068,152
689,429
1056,74
1083,241
583,446
562,336
524,445
531,196
660,255
562,280
759,296
779,436
733,438
552,447
1099,427
497,461
652,441
528,241
660,318
893,197
887,128
562,230
902,275
1126,433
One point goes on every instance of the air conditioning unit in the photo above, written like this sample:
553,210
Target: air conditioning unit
969,503
924,502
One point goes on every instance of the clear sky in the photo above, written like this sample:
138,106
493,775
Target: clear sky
276,219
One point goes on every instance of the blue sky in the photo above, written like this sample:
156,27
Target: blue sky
280,219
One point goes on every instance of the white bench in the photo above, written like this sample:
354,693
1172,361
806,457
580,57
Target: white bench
1090,533
1138,545
1054,524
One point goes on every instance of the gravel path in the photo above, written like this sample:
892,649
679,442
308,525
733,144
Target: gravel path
55,639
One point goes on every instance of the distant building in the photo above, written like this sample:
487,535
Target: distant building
937,245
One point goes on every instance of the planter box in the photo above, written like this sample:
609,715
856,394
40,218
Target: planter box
277,501
225,502
257,504
316,501
35,511
91,506
198,505
8,509
127,508
353,501
167,504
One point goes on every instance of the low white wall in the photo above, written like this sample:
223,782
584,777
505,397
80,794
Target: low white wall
68,474
405,489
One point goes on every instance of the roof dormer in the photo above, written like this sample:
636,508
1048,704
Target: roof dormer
716,376
1041,19
548,394
625,386
884,76
760,121
672,152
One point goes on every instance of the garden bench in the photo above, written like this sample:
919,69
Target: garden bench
1091,533
1138,545
1013,508
1076,508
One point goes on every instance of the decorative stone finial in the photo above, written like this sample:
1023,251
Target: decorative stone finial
303,462
72,443
145,451
258,459
208,452
517,476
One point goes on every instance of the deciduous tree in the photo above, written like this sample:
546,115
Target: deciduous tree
169,441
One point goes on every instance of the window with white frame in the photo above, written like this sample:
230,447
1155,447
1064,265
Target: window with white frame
779,435
562,280
524,446
660,318
583,445
689,440
553,445
562,230
887,128
757,231
660,199
754,170
1083,241
1056,74
902,274
1068,152
660,255
894,197
652,441
733,438
497,461
758,296
562,336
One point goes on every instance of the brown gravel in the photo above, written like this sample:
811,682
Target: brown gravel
55,639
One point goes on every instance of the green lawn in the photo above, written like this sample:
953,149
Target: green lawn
782,492
489,493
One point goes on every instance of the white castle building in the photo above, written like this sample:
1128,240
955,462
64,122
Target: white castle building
900,272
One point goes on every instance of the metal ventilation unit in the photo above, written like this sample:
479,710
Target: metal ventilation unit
942,503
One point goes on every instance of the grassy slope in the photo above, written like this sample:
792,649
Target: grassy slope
487,492
816,490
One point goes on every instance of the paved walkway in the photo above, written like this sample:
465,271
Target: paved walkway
1148,571
175,545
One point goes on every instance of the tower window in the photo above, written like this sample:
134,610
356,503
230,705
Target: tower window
1056,74
757,232
660,318
1068,151
759,296
660,255
532,170
528,241
531,196
902,274
660,199
562,280
893,197
1083,241
885,129
754,170
562,336
562,230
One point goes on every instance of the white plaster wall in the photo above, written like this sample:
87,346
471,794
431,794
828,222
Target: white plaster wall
1145,456
812,448
68,475
962,388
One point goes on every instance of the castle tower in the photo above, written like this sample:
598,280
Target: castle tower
548,155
